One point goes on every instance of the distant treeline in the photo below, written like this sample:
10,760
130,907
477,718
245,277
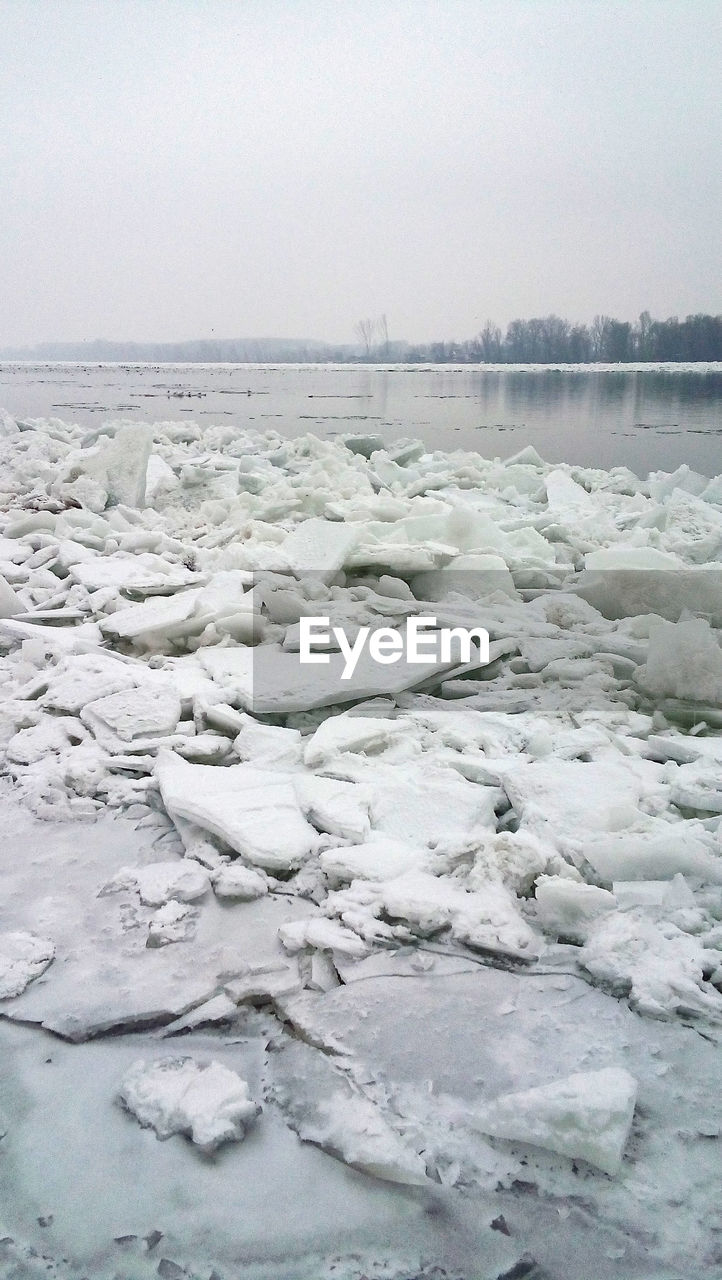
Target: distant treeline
551,340
194,351
544,340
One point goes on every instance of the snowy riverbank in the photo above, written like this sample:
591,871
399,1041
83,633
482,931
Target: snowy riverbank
453,935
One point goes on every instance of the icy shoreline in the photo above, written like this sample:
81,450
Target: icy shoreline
503,841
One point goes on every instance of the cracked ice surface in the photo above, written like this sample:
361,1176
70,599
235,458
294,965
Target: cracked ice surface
448,923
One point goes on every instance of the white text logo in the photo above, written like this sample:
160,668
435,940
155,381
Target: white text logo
421,643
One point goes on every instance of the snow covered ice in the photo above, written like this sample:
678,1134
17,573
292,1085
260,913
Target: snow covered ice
23,956
209,1103
456,928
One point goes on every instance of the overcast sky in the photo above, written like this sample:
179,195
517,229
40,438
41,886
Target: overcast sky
182,168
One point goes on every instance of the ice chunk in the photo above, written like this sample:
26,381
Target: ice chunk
473,575
162,618
638,586
698,787
352,1129
565,496
585,1116
566,907
159,478
119,464
488,919
655,854
23,956
631,558
84,678
264,984
209,1103
144,573
394,587
219,1008
349,733
242,884
255,811
566,797
224,602
269,679
319,547
9,602
322,972
422,804
527,456
659,966
326,935
338,808
365,445
517,859
684,661
54,640
377,859
667,894
132,714
159,882
268,743
663,483
56,735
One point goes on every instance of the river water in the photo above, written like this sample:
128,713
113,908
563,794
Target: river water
644,417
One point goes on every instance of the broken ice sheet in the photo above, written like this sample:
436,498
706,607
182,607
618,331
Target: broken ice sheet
80,680
323,1107
145,574
208,1103
163,592
256,812
173,922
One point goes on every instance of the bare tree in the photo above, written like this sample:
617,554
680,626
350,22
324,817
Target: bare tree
383,326
365,331
489,342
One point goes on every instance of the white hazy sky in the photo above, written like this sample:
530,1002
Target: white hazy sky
177,168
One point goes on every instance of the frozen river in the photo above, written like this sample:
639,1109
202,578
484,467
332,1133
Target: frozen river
419,973
643,417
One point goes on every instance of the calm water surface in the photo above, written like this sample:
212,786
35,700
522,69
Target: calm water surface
647,419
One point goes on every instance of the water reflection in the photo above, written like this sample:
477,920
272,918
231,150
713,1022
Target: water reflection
644,419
